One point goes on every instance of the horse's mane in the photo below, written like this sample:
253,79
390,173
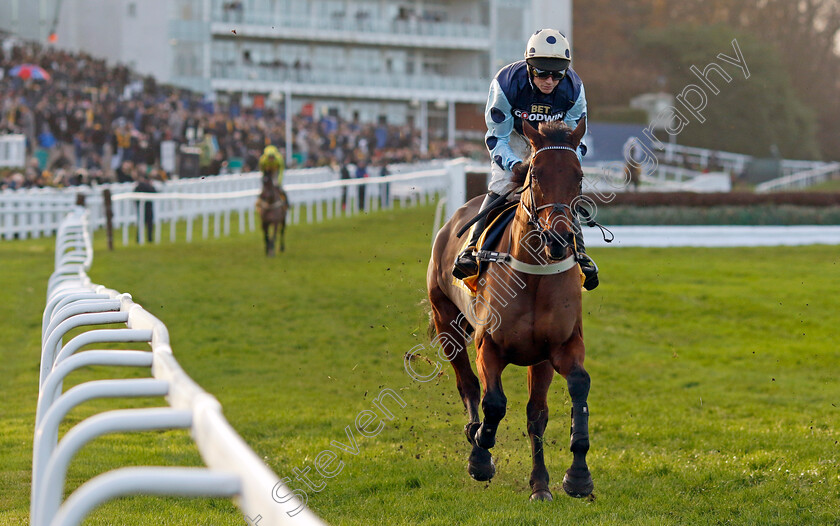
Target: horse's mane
557,132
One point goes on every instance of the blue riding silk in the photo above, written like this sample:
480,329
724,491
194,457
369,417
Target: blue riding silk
513,97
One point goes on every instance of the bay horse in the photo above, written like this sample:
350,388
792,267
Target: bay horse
272,206
526,310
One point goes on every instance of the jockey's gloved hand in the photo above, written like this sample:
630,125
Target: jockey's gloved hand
520,172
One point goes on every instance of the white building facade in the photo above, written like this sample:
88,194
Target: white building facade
424,62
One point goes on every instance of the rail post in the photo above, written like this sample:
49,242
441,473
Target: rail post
109,217
457,194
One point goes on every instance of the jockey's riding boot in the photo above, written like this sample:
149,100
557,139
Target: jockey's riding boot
587,266
466,264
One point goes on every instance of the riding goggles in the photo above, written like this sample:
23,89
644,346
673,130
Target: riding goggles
545,73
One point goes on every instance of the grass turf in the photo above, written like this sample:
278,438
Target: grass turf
714,395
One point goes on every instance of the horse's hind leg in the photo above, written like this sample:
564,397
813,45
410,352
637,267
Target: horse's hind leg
283,236
539,380
578,480
494,403
451,338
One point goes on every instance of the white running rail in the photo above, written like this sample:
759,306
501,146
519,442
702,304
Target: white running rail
801,179
314,195
233,469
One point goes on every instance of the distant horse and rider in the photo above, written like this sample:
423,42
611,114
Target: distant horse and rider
273,203
524,308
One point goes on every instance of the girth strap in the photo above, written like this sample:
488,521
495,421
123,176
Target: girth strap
527,268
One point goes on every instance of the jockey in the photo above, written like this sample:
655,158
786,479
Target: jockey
271,162
540,88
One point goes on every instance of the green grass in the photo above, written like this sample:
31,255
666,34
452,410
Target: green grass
714,381
832,185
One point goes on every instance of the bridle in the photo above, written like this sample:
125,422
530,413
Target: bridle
567,239
568,213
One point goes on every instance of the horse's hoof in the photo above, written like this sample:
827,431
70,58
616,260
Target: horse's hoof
484,440
481,465
578,486
542,494
482,472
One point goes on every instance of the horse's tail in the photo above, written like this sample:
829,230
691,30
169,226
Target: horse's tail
431,330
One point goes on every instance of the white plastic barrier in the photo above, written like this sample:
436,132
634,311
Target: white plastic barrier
320,200
314,195
12,151
609,178
801,179
734,163
731,162
233,469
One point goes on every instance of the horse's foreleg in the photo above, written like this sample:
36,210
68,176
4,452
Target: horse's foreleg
539,380
578,480
268,246
274,227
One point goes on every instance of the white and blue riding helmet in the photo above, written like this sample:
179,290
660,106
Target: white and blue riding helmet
548,50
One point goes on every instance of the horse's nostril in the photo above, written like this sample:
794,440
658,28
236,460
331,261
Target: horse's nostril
558,247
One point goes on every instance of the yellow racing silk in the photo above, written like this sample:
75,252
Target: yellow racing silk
272,161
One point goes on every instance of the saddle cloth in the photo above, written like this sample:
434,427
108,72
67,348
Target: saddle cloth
488,241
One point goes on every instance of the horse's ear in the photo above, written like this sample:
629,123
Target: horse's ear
530,132
579,132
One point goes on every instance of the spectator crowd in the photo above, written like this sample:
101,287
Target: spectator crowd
92,122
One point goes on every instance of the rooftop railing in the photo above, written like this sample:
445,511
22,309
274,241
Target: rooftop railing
345,23
343,79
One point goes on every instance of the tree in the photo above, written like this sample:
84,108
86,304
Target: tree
804,35
753,114
605,52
